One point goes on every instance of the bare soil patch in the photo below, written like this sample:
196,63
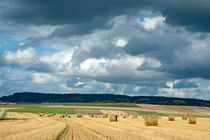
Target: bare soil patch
184,110
88,111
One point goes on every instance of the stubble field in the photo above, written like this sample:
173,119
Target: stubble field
25,126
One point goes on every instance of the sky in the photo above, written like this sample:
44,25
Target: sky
125,47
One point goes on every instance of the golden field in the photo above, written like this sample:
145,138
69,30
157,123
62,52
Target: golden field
30,126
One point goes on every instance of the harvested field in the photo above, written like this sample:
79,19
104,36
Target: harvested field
26,126
126,129
30,126
157,108
201,110
184,110
1,113
131,113
112,112
88,111
5,108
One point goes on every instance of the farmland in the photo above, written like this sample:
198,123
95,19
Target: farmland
61,122
31,126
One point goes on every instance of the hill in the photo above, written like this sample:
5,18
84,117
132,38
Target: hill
30,97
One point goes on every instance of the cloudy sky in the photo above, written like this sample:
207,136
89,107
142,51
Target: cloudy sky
126,47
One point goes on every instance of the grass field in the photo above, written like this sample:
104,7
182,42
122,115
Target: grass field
36,108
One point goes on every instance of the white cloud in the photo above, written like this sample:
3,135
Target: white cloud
79,84
200,93
120,42
22,57
59,61
151,23
94,67
45,78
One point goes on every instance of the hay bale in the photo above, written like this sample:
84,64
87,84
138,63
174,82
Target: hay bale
171,118
49,115
124,116
62,116
184,117
134,116
90,115
41,114
151,120
113,118
105,116
192,120
79,115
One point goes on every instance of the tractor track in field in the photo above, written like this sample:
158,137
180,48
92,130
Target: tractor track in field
63,134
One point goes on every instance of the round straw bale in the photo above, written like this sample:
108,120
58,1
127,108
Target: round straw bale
171,118
184,117
62,116
151,120
192,120
105,116
113,118
90,115
79,115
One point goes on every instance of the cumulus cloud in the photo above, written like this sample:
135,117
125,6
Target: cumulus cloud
21,57
125,47
45,78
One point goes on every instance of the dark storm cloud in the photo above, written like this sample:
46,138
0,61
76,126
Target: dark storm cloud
64,11
160,45
79,29
193,14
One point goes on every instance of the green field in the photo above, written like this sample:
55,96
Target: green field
36,108
98,104
42,108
